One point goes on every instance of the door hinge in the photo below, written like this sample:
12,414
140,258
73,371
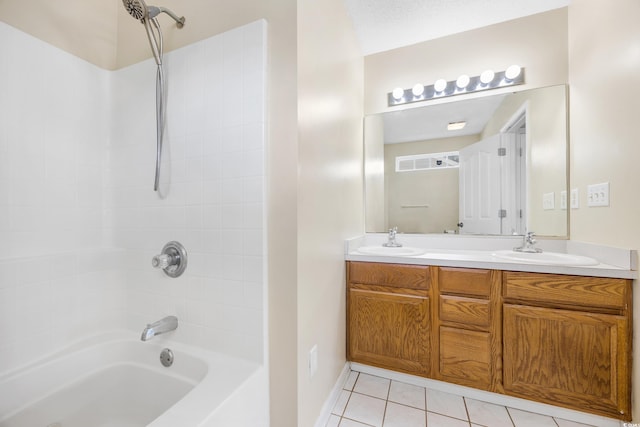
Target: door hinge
502,213
502,151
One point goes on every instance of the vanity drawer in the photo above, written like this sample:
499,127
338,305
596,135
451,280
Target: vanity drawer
395,275
465,281
465,357
469,311
566,289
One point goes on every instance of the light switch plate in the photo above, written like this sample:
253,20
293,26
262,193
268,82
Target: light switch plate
549,201
575,199
598,194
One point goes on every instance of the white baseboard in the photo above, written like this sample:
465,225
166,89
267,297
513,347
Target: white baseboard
325,413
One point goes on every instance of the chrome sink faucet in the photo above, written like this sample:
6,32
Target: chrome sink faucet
528,242
163,325
391,242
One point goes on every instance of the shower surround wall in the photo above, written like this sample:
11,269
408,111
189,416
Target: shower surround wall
211,190
55,285
79,220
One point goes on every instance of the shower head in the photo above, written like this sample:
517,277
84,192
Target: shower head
139,10
136,8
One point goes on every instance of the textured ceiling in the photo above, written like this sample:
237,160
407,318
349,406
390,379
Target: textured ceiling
388,24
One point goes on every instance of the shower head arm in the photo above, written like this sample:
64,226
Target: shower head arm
154,11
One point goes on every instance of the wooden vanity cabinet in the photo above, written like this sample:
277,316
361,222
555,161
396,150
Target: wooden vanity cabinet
468,321
567,341
558,339
388,312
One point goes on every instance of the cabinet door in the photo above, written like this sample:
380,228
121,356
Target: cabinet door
389,329
568,358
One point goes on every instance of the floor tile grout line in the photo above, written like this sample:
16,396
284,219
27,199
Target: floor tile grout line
464,402
355,421
386,404
426,408
346,404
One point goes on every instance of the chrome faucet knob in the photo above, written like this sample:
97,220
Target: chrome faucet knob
172,260
162,261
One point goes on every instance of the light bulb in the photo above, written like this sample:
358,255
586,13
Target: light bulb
418,90
487,77
398,93
440,85
512,72
463,81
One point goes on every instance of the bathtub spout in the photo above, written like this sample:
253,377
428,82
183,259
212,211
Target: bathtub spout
163,325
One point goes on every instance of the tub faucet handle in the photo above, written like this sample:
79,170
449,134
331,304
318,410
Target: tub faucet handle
173,259
162,261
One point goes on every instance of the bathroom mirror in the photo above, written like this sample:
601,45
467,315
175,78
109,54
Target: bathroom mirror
503,173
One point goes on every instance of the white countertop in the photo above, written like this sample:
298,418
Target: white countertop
480,252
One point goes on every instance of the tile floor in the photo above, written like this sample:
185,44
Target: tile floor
367,400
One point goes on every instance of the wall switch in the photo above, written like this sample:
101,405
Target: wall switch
575,199
313,361
563,200
598,194
549,201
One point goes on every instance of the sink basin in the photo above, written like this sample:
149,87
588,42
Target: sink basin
546,258
385,251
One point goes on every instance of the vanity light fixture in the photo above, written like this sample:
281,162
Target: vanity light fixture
487,77
456,125
441,88
418,90
463,81
398,93
440,85
512,72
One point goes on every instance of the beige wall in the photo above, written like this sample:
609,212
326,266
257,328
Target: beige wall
330,190
604,57
538,43
436,188
84,28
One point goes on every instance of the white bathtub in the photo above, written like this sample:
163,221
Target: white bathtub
116,380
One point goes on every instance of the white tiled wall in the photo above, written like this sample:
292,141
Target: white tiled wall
212,190
77,150
54,128
55,286
51,300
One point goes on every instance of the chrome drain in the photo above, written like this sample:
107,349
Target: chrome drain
166,357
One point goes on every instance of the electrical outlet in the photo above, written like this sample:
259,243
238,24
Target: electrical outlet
598,194
313,361
563,200
575,199
549,201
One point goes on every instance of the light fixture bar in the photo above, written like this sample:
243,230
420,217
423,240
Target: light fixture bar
438,90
